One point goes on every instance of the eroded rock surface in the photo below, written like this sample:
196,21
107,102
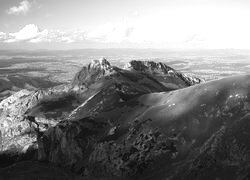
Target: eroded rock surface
17,132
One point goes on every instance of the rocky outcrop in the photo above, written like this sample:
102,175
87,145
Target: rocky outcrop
92,73
158,68
149,67
16,131
190,80
99,69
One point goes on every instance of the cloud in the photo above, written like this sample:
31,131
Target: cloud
32,34
123,32
29,33
22,8
3,36
111,33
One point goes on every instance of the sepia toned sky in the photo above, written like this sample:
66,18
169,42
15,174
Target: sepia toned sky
69,24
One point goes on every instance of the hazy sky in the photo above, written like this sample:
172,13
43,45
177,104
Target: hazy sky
60,24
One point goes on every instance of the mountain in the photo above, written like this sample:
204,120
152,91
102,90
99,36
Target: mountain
160,135
161,70
143,121
104,86
98,86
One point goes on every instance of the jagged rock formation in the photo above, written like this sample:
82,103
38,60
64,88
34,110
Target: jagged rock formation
16,131
162,70
91,73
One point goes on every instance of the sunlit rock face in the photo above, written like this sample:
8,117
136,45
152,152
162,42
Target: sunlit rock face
91,73
159,69
12,110
17,132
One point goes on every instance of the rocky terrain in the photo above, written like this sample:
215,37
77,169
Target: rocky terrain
143,121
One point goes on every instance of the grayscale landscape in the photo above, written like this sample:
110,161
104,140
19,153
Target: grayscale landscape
115,90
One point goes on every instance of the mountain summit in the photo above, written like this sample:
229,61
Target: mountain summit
101,63
149,67
91,73
160,69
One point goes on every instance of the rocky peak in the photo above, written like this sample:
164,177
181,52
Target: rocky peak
149,66
91,73
99,64
159,68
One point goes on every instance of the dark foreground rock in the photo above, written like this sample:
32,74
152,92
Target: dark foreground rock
33,170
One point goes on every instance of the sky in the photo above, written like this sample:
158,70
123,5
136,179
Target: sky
78,24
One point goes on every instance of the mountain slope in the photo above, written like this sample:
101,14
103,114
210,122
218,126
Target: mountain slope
155,135
143,121
108,85
97,87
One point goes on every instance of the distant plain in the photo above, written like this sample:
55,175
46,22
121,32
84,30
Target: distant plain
54,67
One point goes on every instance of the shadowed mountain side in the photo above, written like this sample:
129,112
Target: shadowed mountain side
225,155
149,137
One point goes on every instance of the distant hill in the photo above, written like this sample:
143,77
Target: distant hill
13,83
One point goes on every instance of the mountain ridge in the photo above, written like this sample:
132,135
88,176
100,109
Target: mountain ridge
143,121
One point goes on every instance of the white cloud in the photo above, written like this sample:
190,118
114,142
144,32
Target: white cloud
28,33
171,28
2,36
32,34
181,28
111,33
22,8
